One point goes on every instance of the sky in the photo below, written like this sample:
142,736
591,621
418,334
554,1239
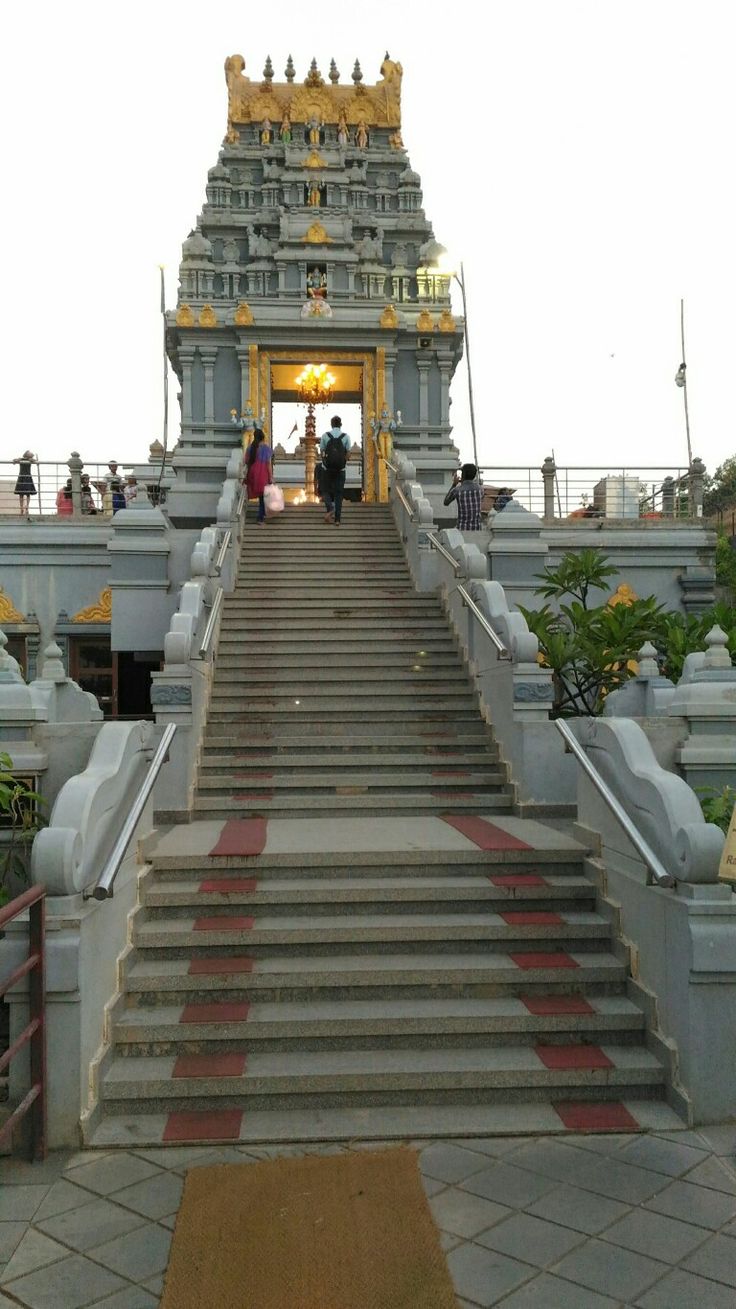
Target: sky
577,157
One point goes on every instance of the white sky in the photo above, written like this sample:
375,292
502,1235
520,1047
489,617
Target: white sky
577,156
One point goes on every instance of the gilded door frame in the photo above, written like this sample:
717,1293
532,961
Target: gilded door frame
373,382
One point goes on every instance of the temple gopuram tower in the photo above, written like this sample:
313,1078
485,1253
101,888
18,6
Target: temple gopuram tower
313,246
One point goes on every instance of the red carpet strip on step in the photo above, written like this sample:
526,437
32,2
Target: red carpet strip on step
203,1125
228,885
598,1117
572,1056
209,1065
221,1011
223,924
242,836
512,880
487,836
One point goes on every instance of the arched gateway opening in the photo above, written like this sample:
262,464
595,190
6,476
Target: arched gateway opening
294,461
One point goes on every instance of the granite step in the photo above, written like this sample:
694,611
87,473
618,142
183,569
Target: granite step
508,931
557,893
151,980
241,784
365,804
367,1123
292,681
334,1024
378,862
380,778
446,740
359,1076
389,660
350,761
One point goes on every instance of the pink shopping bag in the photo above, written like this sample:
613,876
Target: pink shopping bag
273,499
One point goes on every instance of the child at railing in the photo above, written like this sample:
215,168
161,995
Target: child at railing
25,486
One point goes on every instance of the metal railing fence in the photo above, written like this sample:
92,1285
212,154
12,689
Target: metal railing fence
604,491
49,478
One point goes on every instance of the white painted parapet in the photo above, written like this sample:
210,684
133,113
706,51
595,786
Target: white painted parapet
705,698
180,692
69,854
682,940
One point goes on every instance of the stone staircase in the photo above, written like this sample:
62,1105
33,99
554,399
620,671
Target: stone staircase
397,954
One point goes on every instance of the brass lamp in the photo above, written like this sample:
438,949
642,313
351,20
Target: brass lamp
313,387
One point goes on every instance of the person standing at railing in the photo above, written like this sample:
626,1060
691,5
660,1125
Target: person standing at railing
64,503
467,491
25,486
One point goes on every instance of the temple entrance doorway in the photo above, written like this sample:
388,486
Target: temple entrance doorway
288,427
288,395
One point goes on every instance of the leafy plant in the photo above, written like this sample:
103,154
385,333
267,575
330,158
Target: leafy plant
726,564
717,805
591,652
682,634
720,489
19,815
576,575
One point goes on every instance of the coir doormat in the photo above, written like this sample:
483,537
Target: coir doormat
350,1231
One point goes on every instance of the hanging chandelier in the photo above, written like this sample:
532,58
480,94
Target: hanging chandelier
314,384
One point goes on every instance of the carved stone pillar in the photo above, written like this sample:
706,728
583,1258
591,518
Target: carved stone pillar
209,355
186,356
423,367
243,353
549,472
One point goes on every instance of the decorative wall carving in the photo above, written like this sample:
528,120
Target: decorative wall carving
8,611
99,612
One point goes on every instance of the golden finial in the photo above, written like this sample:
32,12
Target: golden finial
207,316
184,316
317,235
425,322
389,317
244,315
446,321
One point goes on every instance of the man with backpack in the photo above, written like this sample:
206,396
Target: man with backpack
334,448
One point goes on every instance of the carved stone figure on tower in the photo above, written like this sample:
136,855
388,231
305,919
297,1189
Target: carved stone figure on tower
237,88
315,126
314,194
361,135
266,133
259,246
285,129
342,129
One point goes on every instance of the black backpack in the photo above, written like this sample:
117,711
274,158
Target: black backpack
335,456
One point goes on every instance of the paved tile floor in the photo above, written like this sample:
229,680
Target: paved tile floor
583,1222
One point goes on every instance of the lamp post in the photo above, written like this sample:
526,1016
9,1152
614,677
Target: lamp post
681,381
313,387
445,268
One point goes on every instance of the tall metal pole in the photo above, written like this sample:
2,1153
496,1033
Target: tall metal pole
684,383
166,384
461,283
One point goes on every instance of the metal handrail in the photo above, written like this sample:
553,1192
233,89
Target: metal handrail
211,623
227,538
241,502
34,1033
657,869
104,887
405,503
440,548
467,599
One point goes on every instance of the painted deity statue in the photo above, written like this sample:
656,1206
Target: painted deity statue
315,125
285,129
314,196
361,135
383,429
342,129
266,132
317,284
